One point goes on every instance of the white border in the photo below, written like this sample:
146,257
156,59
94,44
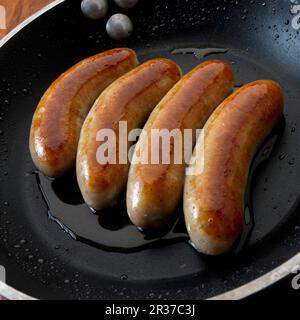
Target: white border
236,294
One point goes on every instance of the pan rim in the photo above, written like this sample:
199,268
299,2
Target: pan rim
241,292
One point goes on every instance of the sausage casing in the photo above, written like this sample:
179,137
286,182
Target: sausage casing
131,98
214,199
60,114
155,190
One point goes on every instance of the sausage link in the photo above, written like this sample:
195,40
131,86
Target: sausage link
131,98
155,190
60,114
214,194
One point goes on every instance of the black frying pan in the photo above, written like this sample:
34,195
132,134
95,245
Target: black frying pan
44,261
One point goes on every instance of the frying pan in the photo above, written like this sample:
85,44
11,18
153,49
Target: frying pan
42,260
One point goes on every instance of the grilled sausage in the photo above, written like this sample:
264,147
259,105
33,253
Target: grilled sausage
155,190
60,114
214,193
131,98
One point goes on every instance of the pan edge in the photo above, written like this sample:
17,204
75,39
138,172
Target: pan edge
239,293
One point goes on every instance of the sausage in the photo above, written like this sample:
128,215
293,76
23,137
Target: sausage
155,190
131,98
60,114
214,193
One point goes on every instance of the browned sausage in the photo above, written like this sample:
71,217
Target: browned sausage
60,114
131,98
214,195
155,190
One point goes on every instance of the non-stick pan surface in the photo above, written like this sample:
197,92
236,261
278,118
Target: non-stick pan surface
41,259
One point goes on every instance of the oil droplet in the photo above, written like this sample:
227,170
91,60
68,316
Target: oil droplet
282,156
199,53
291,162
124,277
25,91
266,151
